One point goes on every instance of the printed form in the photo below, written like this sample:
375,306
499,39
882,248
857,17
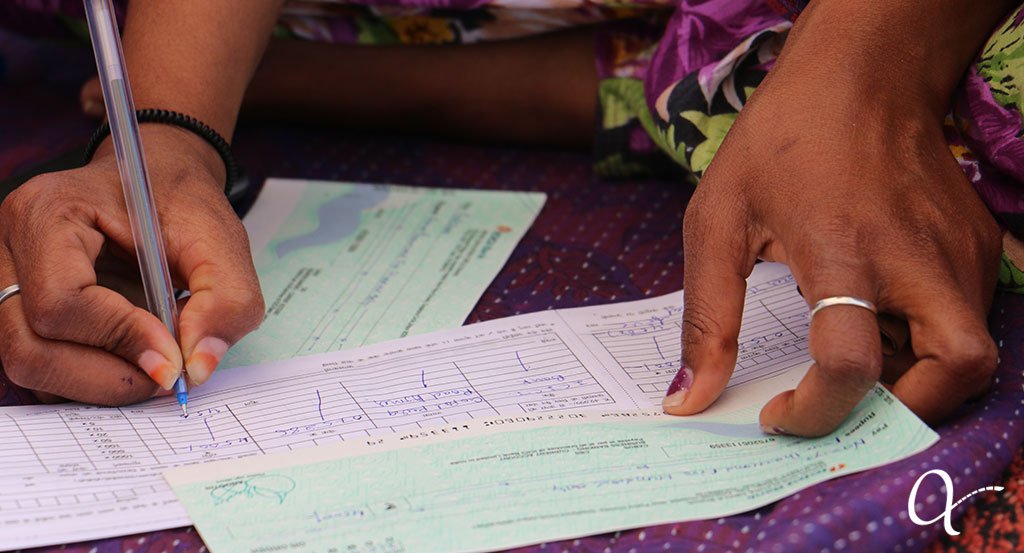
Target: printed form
342,265
490,484
75,472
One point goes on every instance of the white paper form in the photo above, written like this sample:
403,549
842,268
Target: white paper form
641,340
73,472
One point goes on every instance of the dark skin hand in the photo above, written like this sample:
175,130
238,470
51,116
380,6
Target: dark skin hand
858,193
74,332
70,233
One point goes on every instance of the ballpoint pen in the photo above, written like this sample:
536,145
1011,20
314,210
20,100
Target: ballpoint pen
131,165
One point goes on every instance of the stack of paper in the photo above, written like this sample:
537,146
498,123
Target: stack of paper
74,472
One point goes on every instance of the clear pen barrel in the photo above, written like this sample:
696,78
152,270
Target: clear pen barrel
124,130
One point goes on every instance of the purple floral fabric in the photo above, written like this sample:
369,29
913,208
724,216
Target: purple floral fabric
618,241
714,53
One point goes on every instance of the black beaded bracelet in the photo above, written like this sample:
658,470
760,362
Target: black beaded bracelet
186,122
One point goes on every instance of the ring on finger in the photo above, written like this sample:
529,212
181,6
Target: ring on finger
843,300
9,292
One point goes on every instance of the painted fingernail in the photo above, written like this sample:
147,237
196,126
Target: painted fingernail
677,390
92,108
774,430
162,371
205,358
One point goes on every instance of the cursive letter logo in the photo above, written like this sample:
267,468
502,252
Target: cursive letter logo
945,515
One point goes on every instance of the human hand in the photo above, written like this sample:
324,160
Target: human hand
860,196
63,235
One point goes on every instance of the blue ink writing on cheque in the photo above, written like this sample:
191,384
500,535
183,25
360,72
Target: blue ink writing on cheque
275,487
644,326
424,397
548,378
442,406
219,445
318,425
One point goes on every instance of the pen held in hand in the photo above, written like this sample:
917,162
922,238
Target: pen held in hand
131,165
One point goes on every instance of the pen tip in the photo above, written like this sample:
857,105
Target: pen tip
184,410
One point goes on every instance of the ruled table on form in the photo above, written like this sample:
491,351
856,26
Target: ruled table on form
74,472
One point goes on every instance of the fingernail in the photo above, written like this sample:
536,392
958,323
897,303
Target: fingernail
92,108
204,358
677,390
162,371
774,430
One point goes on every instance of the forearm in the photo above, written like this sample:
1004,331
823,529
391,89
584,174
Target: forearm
912,51
196,56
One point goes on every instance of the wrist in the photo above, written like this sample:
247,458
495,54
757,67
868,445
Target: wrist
907,53
162,141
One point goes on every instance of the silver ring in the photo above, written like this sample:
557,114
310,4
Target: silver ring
8,292
843,300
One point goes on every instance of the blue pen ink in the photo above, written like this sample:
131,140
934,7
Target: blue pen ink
658,346
520,359
319,405
206,421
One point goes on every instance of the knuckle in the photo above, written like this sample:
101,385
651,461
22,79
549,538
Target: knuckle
917,226
851,364
251,308
694,221
236,231
245,309
41,193
707,210
20,204
119,337
842,246
701,331
969,357
698,325
21,362
46,311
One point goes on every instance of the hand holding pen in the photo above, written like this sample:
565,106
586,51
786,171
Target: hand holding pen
131,163
74,329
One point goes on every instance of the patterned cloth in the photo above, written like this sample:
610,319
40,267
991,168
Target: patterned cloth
714,54
675,75
619,241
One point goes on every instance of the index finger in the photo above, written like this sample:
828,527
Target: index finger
63,369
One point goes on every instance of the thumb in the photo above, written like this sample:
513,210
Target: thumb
717,261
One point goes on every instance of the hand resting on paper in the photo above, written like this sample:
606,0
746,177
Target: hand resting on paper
859,194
